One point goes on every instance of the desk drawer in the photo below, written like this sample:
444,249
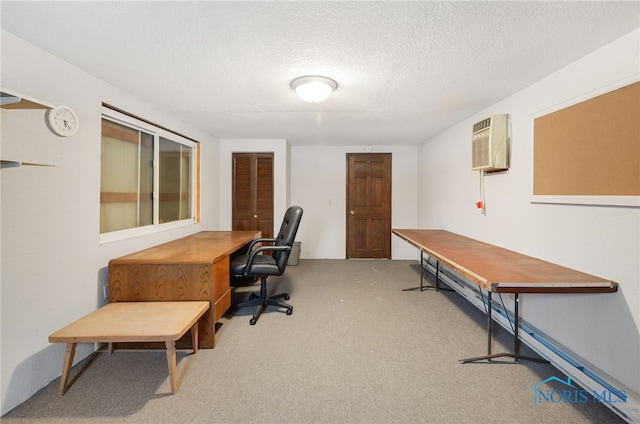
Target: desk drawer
221,306
221,288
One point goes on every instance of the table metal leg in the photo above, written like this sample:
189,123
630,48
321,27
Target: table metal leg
516,337
489,325
422,286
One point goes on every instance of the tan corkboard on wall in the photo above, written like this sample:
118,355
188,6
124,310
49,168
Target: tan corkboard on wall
591,148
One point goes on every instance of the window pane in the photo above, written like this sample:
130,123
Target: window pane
126,184
175,181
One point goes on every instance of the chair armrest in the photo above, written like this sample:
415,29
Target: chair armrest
259,240
262,249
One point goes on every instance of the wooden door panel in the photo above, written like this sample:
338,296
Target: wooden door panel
360,234
360,195
243,224
369,205
264,195
266,226
242,193
378,228
369,240
252,198
377,193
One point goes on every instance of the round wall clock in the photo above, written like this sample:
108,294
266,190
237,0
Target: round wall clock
62,121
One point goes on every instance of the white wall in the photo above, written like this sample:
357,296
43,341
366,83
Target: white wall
600,240
52,264
318,184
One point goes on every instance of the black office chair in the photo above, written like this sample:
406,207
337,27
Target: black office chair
256,265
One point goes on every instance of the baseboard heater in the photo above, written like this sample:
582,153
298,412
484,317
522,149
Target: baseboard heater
579,370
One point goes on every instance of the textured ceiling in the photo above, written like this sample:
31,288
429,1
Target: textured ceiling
405,70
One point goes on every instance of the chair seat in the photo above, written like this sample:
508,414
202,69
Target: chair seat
262,265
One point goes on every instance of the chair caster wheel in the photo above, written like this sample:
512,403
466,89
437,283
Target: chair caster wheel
253,296
289,311
253,321
286,297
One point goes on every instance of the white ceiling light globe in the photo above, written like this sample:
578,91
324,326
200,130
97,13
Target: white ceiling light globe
313,89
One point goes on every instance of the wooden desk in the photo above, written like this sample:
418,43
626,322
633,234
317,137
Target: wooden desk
195,267
133,322
499,270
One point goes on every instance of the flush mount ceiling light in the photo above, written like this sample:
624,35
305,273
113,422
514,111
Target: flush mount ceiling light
313,88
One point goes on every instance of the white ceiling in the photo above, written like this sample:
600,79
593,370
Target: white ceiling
405,70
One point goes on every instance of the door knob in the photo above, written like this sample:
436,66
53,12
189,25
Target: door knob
352,212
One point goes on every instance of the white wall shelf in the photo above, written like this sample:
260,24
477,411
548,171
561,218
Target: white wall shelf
12,100
15,164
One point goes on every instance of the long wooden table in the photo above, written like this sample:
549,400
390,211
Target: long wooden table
133,322
499,270
195,267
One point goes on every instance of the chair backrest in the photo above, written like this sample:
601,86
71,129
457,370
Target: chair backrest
287,235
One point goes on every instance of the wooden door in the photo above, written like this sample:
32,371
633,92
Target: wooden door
252,192
369,205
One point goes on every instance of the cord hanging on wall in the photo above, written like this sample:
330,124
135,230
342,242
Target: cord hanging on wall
481,204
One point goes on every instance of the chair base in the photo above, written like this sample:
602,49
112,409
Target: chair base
262,301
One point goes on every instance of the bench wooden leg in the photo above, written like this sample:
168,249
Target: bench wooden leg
66,367
171,362
194,337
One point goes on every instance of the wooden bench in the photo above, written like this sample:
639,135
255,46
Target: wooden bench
133,322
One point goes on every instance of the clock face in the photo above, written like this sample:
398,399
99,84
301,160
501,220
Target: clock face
62,121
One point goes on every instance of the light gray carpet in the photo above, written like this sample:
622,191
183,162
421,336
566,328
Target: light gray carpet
357,349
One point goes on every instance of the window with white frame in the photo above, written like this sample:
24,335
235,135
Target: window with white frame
147,176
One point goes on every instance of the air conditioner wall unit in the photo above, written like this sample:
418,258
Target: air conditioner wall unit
490,141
